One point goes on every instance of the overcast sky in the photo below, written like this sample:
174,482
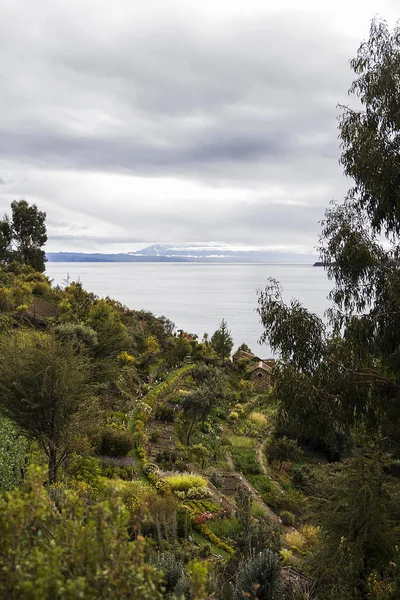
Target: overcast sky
138,121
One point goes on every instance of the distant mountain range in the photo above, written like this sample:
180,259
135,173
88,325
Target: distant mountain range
186,253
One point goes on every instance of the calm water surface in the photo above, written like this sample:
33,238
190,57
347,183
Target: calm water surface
196,296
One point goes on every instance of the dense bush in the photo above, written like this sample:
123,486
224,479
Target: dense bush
13,454
85,468
282,449
78,333
154,437
115,441
176,581
83,550
303,477
185,481
259,577
118,468
287,518
164,412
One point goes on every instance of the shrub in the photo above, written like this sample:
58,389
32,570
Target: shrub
41,288
118,468
303,477
175,580
78,333
258,419
154,437
294,501
295,540
288,518
115,442
304,541
205,531
286,556
185,481
134,493
85,468
227,529
125,358
311,535
259,575
267,489
198,492
233,416
257,510
150,468
13,451
164,412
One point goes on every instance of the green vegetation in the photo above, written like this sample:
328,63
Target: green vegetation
23,235
139,462
222,341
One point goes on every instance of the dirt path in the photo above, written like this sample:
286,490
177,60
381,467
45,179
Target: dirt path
261,458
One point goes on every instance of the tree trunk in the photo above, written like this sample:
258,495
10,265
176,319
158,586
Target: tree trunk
190,431
52,465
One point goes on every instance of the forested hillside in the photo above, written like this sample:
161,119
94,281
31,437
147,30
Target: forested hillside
139,462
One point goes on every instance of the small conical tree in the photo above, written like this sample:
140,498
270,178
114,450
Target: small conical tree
259,578
222,341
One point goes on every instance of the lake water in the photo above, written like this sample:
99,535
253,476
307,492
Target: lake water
197,296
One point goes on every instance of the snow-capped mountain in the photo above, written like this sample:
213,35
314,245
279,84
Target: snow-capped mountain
188,253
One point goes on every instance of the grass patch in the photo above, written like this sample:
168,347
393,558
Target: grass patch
241,441
138,465
202,541
267,489
245,460
225,529
257,510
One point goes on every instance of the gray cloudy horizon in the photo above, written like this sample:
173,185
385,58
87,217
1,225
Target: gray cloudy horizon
176,122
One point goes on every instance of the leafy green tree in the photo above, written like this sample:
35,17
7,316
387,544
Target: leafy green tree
5,239
23,235
243,514
282,449
111,332
44,389
346,379
340,381
222,341
244,347
352,504
200,453
198,404
29,234
76,303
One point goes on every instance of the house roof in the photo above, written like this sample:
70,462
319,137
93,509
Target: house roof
260,365
244,353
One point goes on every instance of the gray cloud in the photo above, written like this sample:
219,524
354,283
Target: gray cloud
246,103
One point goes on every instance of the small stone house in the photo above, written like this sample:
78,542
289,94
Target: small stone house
260,375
